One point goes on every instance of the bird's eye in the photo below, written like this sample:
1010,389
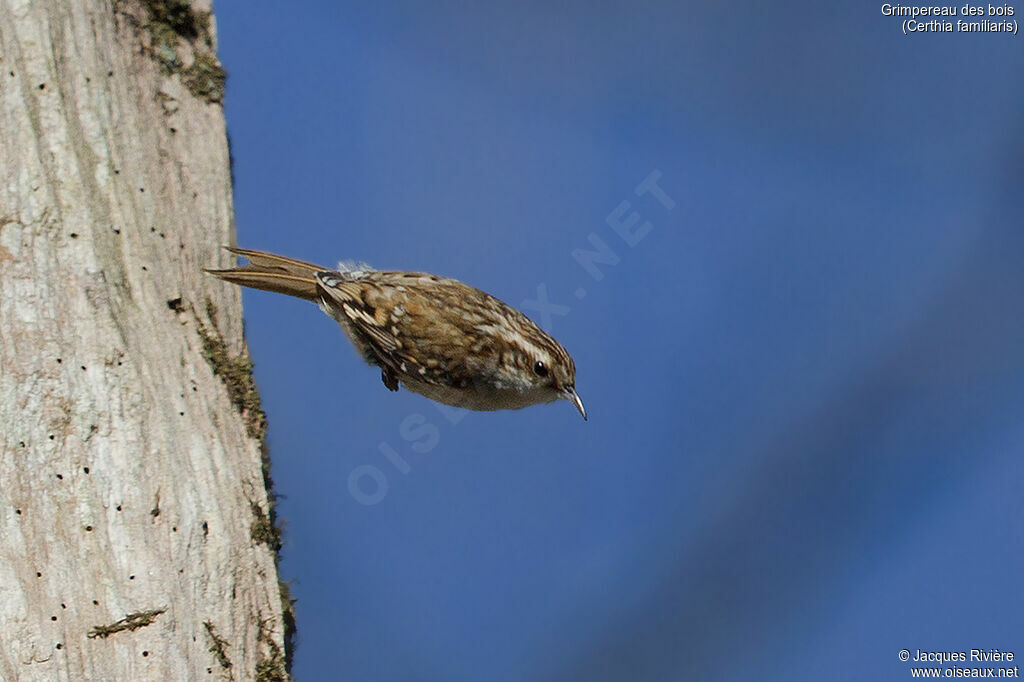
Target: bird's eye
540,369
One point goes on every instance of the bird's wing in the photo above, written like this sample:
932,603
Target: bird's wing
393,344
348,296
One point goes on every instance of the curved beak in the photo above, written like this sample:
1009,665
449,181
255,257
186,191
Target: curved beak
573,397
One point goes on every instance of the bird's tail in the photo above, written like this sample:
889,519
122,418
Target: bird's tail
271,272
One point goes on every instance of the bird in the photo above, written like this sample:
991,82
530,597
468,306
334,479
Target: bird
438,337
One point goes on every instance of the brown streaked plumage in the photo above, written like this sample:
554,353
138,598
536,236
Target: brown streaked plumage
437,336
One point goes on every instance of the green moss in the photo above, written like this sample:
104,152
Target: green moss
262,530
169,22
288,614
179,17
236,373
164,44
133,621
217,646
211,312
272,668
205,78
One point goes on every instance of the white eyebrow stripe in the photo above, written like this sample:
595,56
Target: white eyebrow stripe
516,339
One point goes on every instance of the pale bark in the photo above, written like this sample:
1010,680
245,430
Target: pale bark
134,537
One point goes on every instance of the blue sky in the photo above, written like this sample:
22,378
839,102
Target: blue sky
805,381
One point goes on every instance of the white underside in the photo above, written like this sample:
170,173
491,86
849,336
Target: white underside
483,400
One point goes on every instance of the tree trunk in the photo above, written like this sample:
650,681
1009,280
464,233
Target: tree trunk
137,538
